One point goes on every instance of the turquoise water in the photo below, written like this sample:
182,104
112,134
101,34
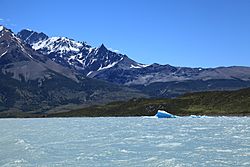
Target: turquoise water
218,141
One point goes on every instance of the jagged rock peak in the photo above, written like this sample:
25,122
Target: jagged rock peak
102,48
4,29
30,36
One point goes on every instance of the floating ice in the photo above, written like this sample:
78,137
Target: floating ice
164,114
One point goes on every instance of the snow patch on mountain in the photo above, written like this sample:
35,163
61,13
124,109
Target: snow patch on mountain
58,44
4,53
108,66
114,50
89,73
139,66
28,36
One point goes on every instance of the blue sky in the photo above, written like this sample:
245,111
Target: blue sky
206,33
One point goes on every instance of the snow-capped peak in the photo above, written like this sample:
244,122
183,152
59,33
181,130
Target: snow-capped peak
78,55
28,29
58,44
1,28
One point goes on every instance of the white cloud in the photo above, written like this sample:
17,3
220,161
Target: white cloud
1,19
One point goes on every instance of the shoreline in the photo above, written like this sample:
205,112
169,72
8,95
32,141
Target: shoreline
129,116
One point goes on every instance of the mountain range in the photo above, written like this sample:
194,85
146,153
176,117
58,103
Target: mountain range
40,73
155,79
31,81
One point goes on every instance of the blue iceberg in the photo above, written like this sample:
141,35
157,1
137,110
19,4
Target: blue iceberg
164,114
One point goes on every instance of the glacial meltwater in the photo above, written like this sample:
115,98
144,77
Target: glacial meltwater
139,141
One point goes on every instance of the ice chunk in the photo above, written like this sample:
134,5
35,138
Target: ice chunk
164,114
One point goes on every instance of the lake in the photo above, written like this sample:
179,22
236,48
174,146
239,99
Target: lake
138,141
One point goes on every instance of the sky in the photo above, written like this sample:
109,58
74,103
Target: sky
191,33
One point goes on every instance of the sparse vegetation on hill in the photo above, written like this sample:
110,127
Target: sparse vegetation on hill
230,103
